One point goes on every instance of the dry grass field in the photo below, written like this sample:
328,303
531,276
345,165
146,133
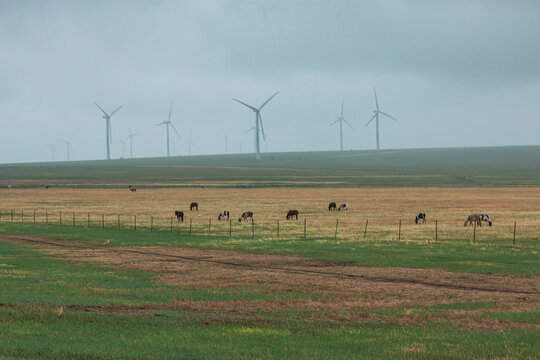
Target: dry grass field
382,208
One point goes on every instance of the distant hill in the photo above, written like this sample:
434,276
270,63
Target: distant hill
487,166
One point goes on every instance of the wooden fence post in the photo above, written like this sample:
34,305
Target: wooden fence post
46,217
135,222
277,227
305,227
209,225
103,221
252,228
514,241
88,219
34,216
151,222
73,218
60,218
11,215
171,225
399,231
190,226
22,216
365,229
474,233
118,224
335,234
436,232
230,227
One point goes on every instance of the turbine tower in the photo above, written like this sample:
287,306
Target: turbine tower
123,148
258,123
189,143
131,136
68,148
53,149
168,123
340,120
107,118
376,117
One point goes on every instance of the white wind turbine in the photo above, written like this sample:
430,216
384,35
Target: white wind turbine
131,136
376,117
107,118
258,123
340,120
168,123
53,149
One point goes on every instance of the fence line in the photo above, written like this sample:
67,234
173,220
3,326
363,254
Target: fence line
379,230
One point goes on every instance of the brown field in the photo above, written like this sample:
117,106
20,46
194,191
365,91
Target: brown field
382,207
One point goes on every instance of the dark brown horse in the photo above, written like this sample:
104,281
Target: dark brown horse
291,214
245,216
194,205
472,219
179,215
332,206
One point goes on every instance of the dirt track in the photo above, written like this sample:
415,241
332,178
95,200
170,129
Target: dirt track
335,291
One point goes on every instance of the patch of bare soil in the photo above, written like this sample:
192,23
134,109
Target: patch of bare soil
308,288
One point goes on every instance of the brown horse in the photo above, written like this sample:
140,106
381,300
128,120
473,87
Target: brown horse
194,205
332,206
473,218
245,216
291,214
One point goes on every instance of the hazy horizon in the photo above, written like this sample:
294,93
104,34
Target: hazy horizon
456,74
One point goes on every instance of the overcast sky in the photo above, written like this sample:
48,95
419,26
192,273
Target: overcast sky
454,73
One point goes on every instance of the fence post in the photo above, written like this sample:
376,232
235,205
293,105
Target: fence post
399,231
60,218
335,234
171,225
230,227
190,220
118,222
365,229
305,227
209,225
252,228
22,216
474,233
11,215
277,222
151,222
103,221
73,218
88,220
135,222
514,241
436,232
46,217
34,216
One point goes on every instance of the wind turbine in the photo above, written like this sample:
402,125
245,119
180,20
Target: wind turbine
240,146
131,136
340,120
189,143
53,149
123,148
68,147
107,118
254,138
258,122
376,117
168,123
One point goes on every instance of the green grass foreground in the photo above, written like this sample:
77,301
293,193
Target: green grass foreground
37,321
459,256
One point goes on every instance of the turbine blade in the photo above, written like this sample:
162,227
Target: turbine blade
267,101
376,101
170,111
262,127
348,124
174,129
243,103
370,120
162,123
114,112
385,114
335,122
107,115
250,130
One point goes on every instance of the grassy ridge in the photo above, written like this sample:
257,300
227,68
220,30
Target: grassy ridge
499,166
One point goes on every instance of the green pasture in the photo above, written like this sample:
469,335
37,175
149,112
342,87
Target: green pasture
38,321
495,166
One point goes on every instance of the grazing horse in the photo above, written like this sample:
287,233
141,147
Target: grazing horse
332,206
179,215
132,188
194,205
291,214
420,216
473,218
245,215
223,214
343,206
485,218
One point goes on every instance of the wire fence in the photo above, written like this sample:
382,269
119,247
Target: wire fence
508,232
